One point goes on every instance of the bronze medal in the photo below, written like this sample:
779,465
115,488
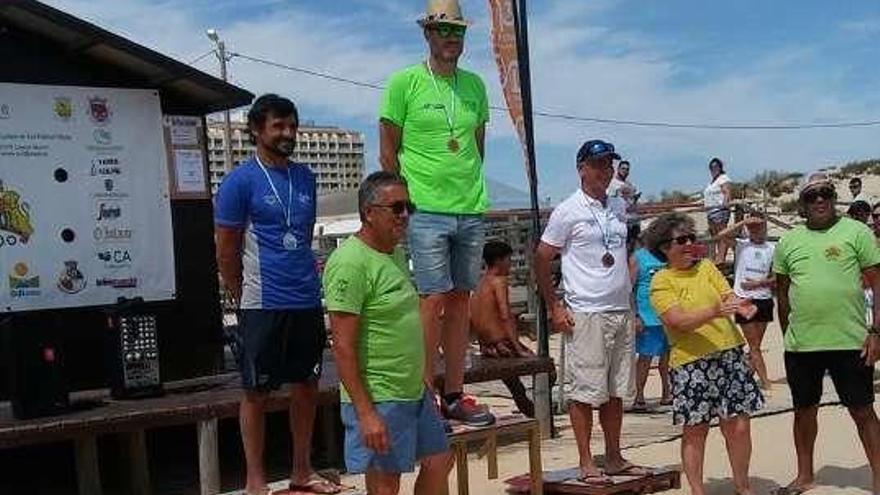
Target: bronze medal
452,144
607,260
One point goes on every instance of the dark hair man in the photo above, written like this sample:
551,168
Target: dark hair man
264,215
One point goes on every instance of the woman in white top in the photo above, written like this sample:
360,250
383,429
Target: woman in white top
716,198
753,280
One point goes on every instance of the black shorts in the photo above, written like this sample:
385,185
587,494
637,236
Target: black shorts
764,314
279,346
853,381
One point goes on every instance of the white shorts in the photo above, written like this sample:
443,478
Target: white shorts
600,358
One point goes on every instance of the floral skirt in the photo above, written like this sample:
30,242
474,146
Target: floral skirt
720,385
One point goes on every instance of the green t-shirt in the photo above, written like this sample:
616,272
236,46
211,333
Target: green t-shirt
826,297
440,180
377,286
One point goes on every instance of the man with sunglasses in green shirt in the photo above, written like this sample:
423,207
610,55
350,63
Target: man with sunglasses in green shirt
820,268
432,128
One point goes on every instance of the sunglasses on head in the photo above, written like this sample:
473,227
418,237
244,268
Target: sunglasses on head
398,207
448,30
684,239
813,196
597,148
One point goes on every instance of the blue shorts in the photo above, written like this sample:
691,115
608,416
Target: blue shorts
651,341
415,431
446,251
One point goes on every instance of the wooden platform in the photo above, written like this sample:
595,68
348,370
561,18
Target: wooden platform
462,435
566,482
200,401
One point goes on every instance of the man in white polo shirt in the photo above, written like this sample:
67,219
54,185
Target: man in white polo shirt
589,230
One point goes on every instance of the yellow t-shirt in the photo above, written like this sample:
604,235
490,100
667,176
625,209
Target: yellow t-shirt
697,288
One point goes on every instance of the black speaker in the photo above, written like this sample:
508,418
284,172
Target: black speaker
133,351
35,358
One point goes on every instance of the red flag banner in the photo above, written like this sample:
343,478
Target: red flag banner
506,57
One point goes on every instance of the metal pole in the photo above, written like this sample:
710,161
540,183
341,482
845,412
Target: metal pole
227,124
542,393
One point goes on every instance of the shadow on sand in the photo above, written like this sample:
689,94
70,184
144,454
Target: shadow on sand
833,477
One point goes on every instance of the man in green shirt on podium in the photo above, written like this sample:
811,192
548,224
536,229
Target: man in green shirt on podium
432,131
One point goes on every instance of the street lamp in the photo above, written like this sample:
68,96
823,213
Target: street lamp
227,125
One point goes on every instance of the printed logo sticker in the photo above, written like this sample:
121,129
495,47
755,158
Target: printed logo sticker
71,280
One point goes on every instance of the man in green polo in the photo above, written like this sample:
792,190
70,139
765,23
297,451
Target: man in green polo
432,130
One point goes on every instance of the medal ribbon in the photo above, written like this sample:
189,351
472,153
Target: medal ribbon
605,241
450,114
275,191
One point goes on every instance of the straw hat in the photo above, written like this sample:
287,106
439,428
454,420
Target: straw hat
443,12
815,180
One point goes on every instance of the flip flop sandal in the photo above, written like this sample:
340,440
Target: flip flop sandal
598,479
791,490
315,484
631,470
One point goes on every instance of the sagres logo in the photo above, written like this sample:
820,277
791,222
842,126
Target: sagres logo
115,258
63,108
99,110
112,234
107,210
71,280
22,283
111,190
15,216
105,165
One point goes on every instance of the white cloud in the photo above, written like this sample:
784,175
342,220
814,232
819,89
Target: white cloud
862,27
632,76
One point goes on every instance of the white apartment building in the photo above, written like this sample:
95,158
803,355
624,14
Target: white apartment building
335,155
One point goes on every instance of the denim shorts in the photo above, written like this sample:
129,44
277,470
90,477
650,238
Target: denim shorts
415,431
446,251
718,216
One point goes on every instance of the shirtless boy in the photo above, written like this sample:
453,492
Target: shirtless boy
492,320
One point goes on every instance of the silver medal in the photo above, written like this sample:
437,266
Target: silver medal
289,241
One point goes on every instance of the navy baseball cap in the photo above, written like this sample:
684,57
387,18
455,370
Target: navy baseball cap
596,148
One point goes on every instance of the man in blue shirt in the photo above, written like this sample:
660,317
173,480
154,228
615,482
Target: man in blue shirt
264,215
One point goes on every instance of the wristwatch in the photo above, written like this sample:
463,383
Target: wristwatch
874,330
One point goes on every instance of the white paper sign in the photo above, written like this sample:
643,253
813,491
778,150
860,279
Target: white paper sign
184,130
85,216
190,170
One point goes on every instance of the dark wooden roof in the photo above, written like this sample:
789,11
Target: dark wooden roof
78,37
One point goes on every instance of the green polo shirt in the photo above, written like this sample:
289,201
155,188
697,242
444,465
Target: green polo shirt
390,347
826,296
440,180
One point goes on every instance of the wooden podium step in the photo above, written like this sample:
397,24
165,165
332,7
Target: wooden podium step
565,481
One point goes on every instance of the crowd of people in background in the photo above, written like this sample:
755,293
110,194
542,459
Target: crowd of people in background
627,297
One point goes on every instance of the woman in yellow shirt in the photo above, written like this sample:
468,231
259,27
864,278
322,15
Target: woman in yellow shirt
710,375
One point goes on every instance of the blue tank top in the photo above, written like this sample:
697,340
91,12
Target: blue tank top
648,266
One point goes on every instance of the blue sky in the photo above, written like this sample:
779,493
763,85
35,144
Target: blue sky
743,62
